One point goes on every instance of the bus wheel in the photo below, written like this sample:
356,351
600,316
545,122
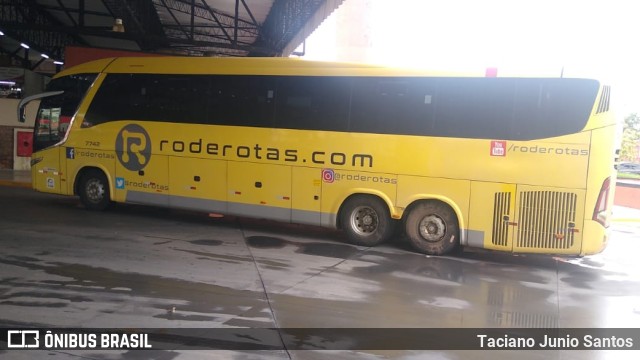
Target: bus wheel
366,221
432,228
94,190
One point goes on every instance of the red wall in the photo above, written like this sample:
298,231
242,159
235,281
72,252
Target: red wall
74,55
628,196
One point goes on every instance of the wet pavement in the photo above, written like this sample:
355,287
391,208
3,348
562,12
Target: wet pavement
143,267
15,178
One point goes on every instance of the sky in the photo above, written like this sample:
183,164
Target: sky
576,38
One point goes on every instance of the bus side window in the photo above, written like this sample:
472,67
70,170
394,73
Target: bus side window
313,103
365,106
174,98
116,99
392,106
419,106
149,97
477,108
552,107
242,100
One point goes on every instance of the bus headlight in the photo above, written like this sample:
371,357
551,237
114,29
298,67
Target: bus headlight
35,160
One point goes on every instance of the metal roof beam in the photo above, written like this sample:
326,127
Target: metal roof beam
175,34
24,60
35,66
175,42
66,11
69,11
21,20
175,19
214,16
284,21
204,11
190,26
246,8
140,18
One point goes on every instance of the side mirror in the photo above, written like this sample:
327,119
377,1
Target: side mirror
22,114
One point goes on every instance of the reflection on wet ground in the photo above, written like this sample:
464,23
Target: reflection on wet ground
207,242
339,251
146,267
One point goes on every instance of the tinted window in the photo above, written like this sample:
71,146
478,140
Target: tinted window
513,109
482,108
552,107
474,108
173,98
241,100
392,105
317,103
229,100
74,87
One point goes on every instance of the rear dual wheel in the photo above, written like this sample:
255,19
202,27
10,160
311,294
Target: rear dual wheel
432,228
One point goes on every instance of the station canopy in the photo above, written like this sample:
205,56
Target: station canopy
170,27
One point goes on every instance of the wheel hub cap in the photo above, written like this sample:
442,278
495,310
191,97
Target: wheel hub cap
364,220
432,228
95,190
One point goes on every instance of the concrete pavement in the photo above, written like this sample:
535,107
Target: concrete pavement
144,267
15,178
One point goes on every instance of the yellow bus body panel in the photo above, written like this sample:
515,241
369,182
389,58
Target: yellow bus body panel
500,197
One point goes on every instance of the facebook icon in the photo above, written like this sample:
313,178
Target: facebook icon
71,153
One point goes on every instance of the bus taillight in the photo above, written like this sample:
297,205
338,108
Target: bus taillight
600,211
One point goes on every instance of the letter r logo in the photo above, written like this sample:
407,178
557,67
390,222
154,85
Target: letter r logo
133,147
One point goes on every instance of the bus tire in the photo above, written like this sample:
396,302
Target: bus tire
94,190
366,221
432,228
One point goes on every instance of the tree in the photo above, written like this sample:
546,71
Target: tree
630,138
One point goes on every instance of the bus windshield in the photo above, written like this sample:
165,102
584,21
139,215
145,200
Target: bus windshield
56,111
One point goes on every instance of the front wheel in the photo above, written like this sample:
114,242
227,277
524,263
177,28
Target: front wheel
94,190
366,221
432,228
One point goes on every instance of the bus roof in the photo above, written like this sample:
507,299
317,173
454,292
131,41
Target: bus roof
253,66
241,66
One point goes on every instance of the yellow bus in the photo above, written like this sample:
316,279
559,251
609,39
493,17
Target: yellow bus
511,164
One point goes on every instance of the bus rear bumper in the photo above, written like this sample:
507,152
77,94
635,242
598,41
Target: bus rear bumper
595,237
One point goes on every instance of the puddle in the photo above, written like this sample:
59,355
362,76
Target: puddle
327,250
207,242
338,251
267,242
174,316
